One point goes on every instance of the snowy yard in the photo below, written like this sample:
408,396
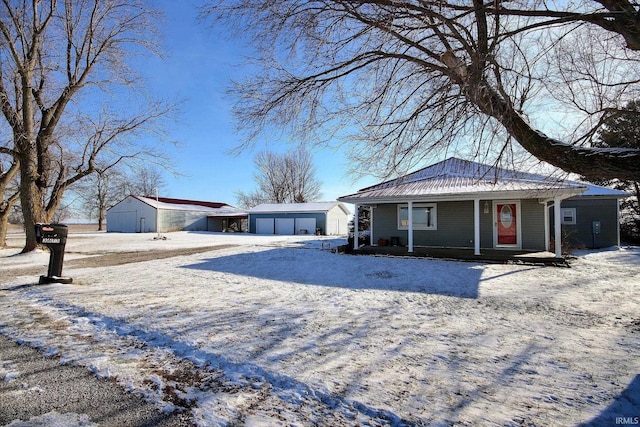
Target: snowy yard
264,330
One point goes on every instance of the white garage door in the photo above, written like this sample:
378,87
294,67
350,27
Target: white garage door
305,225
264,226
285,226
122,222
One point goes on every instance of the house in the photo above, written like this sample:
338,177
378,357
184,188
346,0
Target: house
461,204
136,214
326,218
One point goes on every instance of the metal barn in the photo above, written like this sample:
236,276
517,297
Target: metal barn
137,214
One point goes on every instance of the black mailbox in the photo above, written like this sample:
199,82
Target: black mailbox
54,237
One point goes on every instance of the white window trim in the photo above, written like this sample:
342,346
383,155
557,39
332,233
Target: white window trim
572,215
434,216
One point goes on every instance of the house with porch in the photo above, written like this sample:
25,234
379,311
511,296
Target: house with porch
468,205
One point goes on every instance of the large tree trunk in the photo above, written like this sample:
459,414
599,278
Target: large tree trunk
4,224
32,211
100,219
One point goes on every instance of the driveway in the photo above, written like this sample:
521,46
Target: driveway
38,388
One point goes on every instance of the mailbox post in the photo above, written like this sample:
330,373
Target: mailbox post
54,237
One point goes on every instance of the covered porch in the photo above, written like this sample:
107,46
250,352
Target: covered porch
458,225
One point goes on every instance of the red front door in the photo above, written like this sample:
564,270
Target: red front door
507,224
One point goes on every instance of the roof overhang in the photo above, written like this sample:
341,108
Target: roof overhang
229,215
542,193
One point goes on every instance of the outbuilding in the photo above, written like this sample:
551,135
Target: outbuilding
137,214
323,218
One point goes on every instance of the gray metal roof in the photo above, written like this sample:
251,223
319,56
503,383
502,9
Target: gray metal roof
458,179
296,207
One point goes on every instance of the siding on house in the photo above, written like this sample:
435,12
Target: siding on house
588,210
455,225
532,225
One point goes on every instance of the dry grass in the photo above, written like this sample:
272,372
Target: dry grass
73,228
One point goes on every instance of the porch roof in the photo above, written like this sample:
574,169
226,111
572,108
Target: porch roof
456,179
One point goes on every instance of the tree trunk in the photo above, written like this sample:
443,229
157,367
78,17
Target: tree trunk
4,224
100,219
32,211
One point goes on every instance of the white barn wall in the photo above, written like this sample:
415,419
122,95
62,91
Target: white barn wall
121,216
337,221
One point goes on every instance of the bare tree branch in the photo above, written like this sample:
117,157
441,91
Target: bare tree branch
406,79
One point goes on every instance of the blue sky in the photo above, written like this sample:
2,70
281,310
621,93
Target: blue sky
198,67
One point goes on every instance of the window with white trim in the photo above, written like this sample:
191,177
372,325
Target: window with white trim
568,216
424,216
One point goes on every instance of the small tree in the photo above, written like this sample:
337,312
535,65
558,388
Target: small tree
282,178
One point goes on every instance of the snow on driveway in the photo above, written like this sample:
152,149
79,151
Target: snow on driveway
264,330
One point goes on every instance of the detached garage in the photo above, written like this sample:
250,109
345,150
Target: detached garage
326,218
136,214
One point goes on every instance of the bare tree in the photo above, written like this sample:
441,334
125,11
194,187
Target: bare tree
62,71
100,191
282,178
413,78
145,181
109,185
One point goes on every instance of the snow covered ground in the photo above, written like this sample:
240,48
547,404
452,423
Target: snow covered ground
264,330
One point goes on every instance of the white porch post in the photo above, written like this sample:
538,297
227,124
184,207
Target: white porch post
476,226
557,226
546,226
410,231
355,227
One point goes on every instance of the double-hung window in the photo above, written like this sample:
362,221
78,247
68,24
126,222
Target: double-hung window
424,216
